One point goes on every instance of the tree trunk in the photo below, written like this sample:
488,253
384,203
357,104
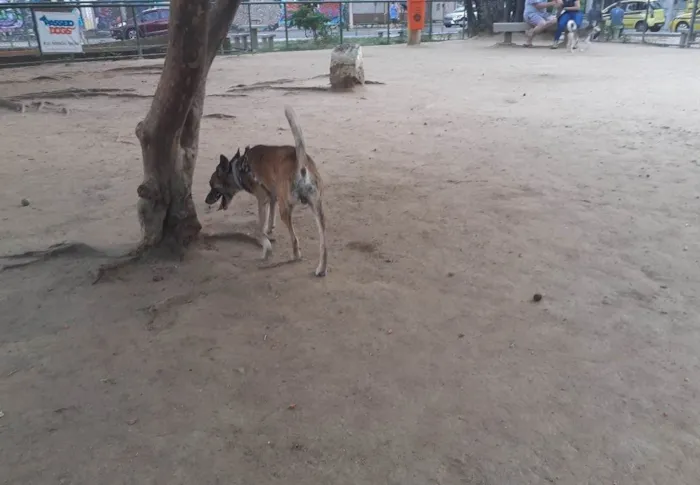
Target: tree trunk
471,19
169,134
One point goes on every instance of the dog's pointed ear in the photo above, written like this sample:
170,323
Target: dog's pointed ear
223,161
238,153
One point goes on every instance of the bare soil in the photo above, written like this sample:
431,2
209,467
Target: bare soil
472,179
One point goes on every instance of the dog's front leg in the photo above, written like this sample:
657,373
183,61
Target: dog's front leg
263,208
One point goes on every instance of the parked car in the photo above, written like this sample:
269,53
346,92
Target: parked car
457,17
682,21
150,22
636,15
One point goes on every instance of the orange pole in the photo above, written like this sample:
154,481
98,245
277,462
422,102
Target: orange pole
416,20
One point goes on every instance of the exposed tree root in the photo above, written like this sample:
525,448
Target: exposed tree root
35,106
156,309
115,264
227,95
220,116
11,105
152,69
44,78
109,269
82,93
72,250
27,258
302,89
261,84
279,85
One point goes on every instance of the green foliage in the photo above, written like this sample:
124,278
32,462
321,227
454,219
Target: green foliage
308,18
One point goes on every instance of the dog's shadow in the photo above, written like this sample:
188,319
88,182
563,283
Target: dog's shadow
265,266
247,239
230,236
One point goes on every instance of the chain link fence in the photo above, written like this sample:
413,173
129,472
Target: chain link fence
132,29
117,30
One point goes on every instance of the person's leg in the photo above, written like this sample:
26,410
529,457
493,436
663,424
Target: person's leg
538,23
561,26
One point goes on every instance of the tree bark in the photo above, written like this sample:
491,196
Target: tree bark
169,134
471,19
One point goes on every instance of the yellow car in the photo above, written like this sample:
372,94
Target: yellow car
682,21
636,16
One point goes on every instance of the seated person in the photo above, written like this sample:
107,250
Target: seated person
570,10
537,16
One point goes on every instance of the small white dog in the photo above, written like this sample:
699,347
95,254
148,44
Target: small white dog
574,35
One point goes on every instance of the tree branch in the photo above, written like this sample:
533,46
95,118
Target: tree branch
184,70
219,22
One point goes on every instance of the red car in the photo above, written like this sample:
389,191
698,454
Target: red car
153,21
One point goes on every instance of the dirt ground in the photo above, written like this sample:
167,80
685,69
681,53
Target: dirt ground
475,177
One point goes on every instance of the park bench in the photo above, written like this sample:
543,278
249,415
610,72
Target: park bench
507,29
401,33
240,41
268,40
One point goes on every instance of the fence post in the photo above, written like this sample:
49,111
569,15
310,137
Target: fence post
430,26
341,22
693,18
388,25
26,29
465,18
286,28
139,50
36,34
250,28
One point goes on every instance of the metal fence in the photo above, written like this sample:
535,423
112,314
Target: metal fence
137,29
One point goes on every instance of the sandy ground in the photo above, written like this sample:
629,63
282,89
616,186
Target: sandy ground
473,178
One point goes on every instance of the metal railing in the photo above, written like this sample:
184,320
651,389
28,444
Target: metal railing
126,29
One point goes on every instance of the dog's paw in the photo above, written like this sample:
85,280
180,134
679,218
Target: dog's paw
267,249
297,254
320,272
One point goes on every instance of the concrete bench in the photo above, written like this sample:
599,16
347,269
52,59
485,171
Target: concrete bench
401,33
507,29
268,40
240,41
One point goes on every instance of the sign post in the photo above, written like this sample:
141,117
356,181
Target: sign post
416,20
693,17
58,32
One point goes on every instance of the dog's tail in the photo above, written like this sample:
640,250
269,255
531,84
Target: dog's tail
571,26
298,140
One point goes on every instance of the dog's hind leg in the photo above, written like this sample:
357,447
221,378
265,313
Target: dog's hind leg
317,208
271,215
286,216
263,217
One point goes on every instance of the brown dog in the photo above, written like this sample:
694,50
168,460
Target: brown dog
284,175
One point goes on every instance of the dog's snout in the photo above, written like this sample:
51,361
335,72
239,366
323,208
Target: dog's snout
212,197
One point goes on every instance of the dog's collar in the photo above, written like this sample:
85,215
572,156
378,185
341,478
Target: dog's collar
242,175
